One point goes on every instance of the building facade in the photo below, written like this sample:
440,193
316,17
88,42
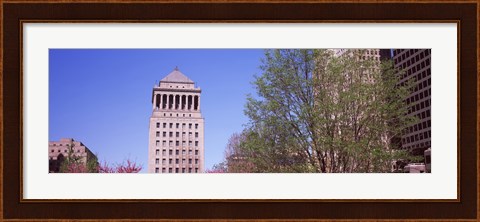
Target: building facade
176,129
58,151
415,66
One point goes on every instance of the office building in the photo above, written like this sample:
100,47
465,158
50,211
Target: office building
415,66
176,129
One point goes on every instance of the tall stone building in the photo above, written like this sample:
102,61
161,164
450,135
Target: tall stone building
176,135
416,66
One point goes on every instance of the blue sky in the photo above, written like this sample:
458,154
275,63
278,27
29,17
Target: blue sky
102,97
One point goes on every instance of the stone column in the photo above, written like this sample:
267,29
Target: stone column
190,99
198,103
160,101
174,101
154,103
168,102
180,108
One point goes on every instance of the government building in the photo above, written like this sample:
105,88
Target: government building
176,133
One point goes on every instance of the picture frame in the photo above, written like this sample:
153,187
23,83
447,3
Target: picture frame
14,13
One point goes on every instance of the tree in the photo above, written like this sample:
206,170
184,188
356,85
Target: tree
218,168
127,166
318,112
74,163
236,159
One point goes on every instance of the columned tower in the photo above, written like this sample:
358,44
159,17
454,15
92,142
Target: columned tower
176,135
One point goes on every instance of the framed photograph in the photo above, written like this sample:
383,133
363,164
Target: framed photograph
239,110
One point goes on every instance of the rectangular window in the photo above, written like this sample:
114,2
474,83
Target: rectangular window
196,126
170,134
196,135
189,152
170,161
183,125
176,170
177,134
164,161
189,170
196,170
158,125
170,143
163,170
170,152
164,134
171,125
183,170
164,125
189,161
164,143
176,161
157,161
177,125
183,152
196,143
157,152
183,161
156,170
170,170
157,134
189,125
183,143
176,152
189,143
164,152
196,161
177,143
196,152
157,143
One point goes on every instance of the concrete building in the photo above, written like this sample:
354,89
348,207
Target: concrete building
59,151
176,134
416,66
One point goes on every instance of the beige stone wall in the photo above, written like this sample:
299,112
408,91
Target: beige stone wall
55,148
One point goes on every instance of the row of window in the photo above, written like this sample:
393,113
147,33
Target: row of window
408,53
417,75
372,51
177,170
419,126
419,106
423,115
423,144
177,161
418,96
177,125
422,85
417,137
78,151
54,144
414,69
177,143
165,114
177,152
177,134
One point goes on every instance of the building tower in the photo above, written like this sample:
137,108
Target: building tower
176,135
416,66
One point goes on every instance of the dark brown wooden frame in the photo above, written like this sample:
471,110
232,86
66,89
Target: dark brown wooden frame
13,13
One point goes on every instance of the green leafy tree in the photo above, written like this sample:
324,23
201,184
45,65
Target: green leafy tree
319,112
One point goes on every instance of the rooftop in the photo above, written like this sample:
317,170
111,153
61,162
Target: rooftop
176,76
